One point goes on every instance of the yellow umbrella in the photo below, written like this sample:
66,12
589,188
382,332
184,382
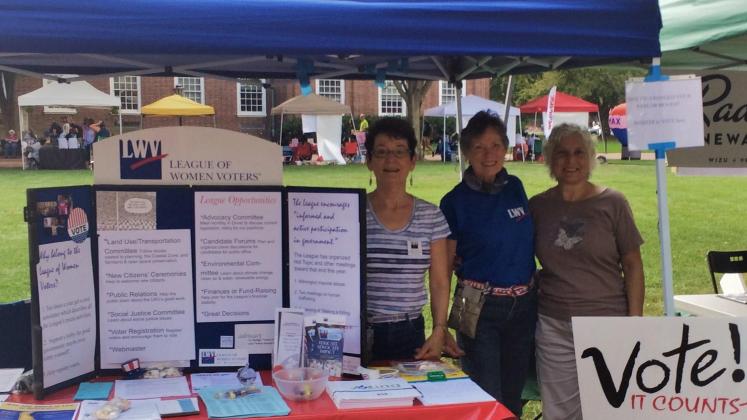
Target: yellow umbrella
177,106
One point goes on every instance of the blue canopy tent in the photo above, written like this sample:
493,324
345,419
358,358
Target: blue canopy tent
344,39
372,39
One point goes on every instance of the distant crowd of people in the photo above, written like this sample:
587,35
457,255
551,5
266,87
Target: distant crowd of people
69,135
64,134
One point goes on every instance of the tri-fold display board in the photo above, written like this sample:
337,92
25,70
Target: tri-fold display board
186,275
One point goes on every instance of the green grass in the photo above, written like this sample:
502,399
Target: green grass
706,213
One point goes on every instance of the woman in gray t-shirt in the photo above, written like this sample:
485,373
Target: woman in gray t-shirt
589,247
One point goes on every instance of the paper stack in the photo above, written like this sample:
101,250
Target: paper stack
267,403
394,392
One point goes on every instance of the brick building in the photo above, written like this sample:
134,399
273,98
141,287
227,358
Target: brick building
241,106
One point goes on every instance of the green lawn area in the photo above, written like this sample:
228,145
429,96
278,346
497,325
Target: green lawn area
705,212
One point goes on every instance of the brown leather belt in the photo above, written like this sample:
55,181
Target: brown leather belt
513,291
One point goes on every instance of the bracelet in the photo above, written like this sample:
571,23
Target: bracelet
443,326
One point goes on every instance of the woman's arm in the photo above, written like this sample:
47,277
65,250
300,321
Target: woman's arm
632,266
439,285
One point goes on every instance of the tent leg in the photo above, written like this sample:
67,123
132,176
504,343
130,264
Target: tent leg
459,127
509,97
280,142
120,121
20,137
664,233
443,142
601,131
507,103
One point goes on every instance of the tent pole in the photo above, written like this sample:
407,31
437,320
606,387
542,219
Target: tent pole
443,141
214,124
507,103
521,133
280,142
601,131
459,126
20,138
119,113
509,98
422,132
664,231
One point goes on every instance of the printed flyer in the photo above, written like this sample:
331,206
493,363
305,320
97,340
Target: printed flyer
145,295
324,252
66,310
239,258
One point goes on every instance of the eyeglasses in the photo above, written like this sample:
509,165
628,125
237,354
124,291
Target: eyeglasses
397,153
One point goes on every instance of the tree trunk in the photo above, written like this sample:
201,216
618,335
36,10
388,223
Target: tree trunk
413,92
7,102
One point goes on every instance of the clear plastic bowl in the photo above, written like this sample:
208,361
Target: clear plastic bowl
300,384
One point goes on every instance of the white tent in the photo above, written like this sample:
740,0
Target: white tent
72,94
471,105
322,115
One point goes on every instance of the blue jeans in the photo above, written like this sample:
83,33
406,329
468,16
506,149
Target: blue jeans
397,340
497,358
11,149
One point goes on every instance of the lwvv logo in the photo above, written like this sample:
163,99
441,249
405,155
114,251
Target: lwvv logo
140,159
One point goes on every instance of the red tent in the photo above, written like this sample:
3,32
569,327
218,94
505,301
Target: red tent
563,103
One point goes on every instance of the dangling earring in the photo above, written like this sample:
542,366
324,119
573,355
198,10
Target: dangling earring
370,179
411,175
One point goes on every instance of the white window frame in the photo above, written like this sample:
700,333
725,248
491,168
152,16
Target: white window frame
139,95
58,109
329,95
241,113
388,83
202,87
443,84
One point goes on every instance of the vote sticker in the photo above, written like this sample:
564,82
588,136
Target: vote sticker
77,225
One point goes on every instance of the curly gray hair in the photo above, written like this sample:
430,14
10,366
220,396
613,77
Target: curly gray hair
563,131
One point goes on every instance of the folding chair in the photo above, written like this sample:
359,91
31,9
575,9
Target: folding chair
15,324
726,262
350,150
287,155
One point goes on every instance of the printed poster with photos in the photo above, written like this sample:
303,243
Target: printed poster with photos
145,277
124,255
63,302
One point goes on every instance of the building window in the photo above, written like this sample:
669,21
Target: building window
128,90
390,102
331,88
447,92
192,88
251,98
58,109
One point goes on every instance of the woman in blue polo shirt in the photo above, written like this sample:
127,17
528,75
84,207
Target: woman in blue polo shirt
492,249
